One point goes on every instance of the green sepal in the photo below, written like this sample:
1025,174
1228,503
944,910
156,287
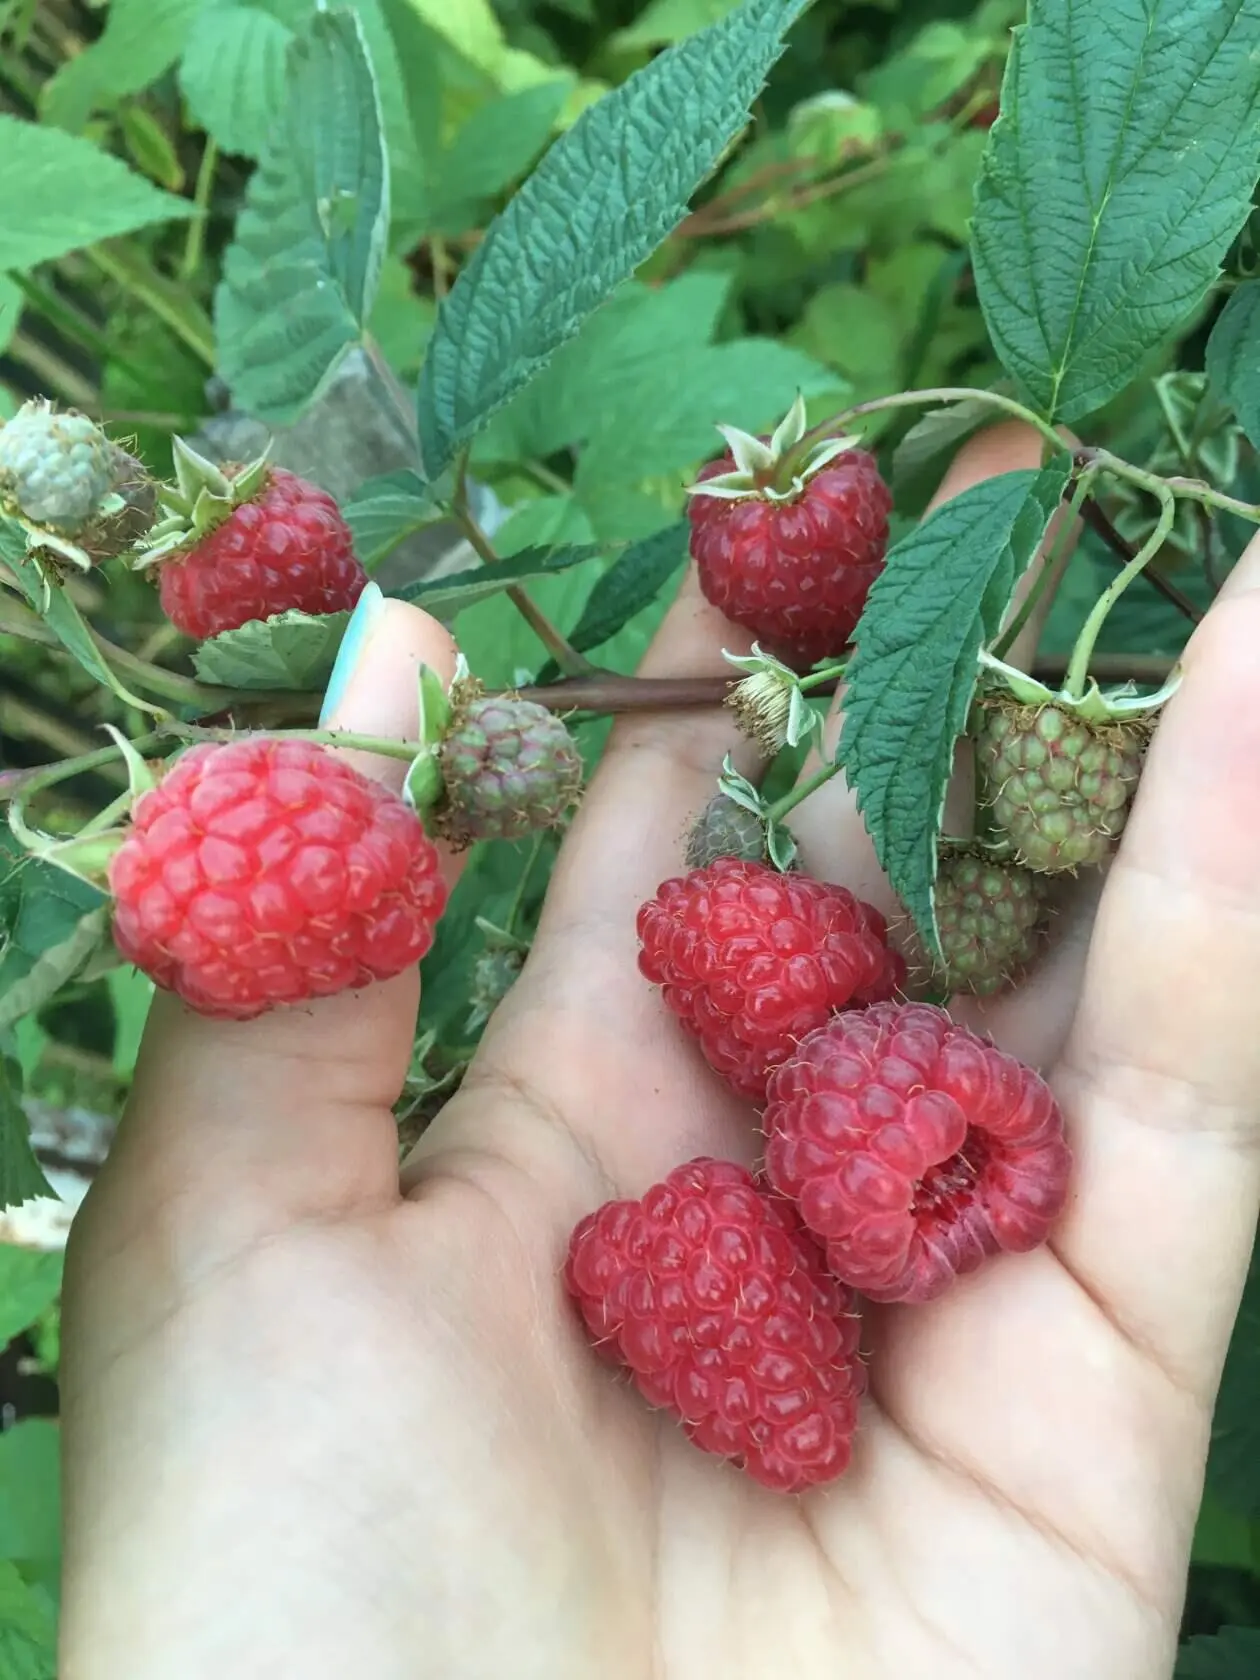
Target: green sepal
1095,706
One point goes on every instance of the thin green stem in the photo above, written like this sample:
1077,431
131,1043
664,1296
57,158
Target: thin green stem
802,791
72,322
941,394
518,897
1049,569
816,679
105,819
1191,489
49,774
542,475
380,744
566,656
1078,666
169,684
195,244
168,300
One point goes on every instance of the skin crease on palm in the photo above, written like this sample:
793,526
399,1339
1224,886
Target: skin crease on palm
313,1427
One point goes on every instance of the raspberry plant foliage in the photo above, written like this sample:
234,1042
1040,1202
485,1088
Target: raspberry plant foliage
540,373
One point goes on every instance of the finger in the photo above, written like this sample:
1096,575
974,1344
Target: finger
582,1042
244,1126
657,774
1161,1075
832,835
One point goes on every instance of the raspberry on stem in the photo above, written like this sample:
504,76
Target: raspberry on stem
242,543
914,1149
1059,786
717,1302
509,767
788,537
991,917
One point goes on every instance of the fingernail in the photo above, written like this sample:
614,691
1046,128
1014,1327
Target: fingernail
362,622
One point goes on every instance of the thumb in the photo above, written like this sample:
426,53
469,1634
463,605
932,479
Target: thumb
247,1126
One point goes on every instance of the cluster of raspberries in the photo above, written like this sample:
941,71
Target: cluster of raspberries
902,1150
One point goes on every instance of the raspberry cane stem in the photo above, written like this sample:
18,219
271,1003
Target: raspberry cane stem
1050,567
566,656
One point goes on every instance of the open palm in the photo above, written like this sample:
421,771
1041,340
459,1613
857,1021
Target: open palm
316,1427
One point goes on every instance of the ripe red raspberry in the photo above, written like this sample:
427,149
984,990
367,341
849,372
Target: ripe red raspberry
720,1305
788,547
751,960
914,1149
267,872
289,550
239,543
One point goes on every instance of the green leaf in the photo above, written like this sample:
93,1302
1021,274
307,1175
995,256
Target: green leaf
300,279
1224,1540
50,923
233,74
666,21
30,1490
1112,186
21,1176
29,1282
28,1634
149,146
293,650
1233,1472
459,589
629,586
932,440
941,596
1233,357
58,611
59,193
750,383
493,148
627,345
606,194
1231,1654
385,511
141,40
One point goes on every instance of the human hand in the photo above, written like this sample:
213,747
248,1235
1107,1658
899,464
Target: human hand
315,1426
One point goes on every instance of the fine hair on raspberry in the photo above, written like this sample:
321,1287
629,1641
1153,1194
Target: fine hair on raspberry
751,960
268,871
914,1149
709,1291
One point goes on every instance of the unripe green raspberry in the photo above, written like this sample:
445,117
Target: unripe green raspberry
510,767
991,919
1059,787
55,469
495,972
725,829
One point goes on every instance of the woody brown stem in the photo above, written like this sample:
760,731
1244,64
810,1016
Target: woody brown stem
611,694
